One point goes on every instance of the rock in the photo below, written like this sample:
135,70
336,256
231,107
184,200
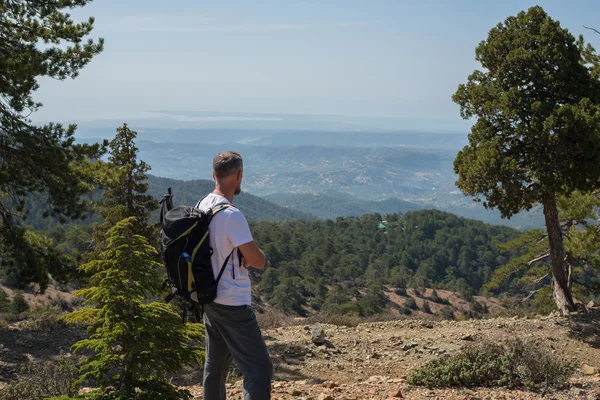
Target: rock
318,334
593,304
468,338
397,394
588,370
325,396
407,347
330,384
294,392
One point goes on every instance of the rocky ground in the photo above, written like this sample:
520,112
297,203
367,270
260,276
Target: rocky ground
372,360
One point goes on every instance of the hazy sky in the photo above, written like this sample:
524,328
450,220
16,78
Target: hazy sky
395,58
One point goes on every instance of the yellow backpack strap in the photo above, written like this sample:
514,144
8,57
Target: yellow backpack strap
217,208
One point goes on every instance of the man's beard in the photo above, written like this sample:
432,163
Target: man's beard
238,190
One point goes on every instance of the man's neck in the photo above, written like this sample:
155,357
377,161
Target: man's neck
228,194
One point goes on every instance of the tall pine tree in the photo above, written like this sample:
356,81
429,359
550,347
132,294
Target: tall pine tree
135,344
537,129
38,39
125,185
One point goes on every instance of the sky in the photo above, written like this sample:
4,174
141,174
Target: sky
396,59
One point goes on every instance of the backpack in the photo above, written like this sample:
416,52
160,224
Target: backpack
186,253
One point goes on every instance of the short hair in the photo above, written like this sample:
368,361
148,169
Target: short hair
227,163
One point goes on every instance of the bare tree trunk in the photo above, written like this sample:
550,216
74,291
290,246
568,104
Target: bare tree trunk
561,277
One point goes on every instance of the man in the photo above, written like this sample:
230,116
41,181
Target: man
231,328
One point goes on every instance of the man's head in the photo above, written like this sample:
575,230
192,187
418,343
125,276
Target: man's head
228,169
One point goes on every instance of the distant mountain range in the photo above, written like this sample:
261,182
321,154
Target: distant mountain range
394,170
339,204
253,207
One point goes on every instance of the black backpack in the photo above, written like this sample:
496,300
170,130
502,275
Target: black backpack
186,252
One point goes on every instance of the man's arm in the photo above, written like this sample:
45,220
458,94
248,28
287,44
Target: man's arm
239,234
252,256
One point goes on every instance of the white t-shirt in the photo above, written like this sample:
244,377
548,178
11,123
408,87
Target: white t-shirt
228,230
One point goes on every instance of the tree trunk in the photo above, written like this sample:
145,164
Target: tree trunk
561,285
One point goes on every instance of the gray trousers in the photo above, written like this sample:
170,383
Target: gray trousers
232,333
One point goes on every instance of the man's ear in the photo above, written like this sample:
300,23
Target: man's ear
214,176
239,175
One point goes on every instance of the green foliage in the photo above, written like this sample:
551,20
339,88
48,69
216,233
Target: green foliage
515,364
135,344
447,313
537,134
426,307
4,302
411,303
578,213
39,39
44,379
477,307
538,118
332,264
124,181
43,317
19,305
373,302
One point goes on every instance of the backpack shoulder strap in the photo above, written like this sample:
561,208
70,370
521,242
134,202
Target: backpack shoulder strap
223,267
219,207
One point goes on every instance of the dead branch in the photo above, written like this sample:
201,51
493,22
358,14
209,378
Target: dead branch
540,279
592,29
530,295
539,258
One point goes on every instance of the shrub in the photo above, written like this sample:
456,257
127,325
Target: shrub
19,304
43,379
61,303
411,303
4,302
76,301
42,318
270,319
446,312
3,324
437,299
406,311
477,307
514,364
426,307
400,291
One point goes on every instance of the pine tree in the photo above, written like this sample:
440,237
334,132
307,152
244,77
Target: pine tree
426,307
530,270
537,133
124,181
38,39
19,305
4,302
136,344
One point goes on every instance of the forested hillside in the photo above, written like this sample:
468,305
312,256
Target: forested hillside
341,265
